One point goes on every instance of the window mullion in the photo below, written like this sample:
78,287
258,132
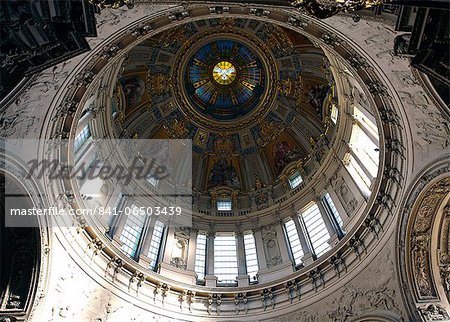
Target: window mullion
304,237
369,134
332,227
142,239
362,166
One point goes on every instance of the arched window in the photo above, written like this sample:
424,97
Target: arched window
357,173
200,257
155,244
365,121
316,229
132,231
365,150
294,242
363,160
225,259
251,260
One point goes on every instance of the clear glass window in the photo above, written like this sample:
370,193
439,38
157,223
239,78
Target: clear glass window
155,244
224,205
82,137
294,241
200,256
132,231
295,180
358,174
334,113
317,231
225,259
365,121
333,210
365,150
250,256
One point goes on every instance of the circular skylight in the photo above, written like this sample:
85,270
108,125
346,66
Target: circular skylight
224,79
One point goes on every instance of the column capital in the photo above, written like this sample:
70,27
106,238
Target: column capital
193,230
238,229
292,208
256,228
282,243
211,230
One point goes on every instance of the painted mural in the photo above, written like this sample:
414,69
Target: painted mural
133,88
223,173
317,95
283,154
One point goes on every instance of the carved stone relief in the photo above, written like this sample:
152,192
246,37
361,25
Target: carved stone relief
431,129
421,238
180,249
434,312
372,296
444,251
271,247
344,193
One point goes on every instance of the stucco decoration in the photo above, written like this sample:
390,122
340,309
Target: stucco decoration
444,251
365,295
271,247
423,244
421,238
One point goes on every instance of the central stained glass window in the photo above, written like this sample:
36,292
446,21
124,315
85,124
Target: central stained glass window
224,73
225,79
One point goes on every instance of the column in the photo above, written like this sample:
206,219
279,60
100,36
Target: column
260,255
119,225
88,155
168,245
109,221
143,256
283,244
339,206
363,167
210,279
306,247
363,128
117,200
192,249
243,278
142,240
331,227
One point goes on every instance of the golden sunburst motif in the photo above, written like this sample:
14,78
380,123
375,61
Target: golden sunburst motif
224,72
